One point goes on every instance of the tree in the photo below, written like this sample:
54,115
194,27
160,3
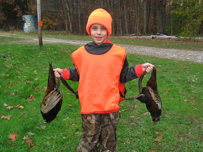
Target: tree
188,16
160,13
11,12
146,15
137,18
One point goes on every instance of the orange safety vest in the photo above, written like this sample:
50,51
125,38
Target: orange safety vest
99,77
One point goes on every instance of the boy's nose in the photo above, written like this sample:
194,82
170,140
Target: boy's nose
98,31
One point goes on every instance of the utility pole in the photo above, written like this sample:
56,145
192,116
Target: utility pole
39,22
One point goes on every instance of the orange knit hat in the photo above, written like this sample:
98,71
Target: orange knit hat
102,17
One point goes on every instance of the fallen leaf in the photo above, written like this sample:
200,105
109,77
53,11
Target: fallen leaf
26,137
158,138
139,133
45,89
12,137
31,133
29,141
22,114
156,132
9,107
42,127
138,118
17,106
132,116
6,117
32,97
70,105
27,82
167,91
146,113
5,105
20,107
5,90
128,140
134,106
11,93
37,89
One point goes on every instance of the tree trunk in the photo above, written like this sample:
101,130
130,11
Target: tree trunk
154,17
160,10
137,14
125,17
111,7
68,15
79,23
146,15
120,18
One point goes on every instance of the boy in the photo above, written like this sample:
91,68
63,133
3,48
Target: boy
101,68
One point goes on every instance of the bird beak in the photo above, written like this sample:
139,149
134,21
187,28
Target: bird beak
155,119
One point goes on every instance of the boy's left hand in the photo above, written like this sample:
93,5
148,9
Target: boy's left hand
147,67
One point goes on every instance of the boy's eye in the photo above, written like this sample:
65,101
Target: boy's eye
94,28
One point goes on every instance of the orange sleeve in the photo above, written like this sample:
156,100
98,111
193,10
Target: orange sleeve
138,70
66,74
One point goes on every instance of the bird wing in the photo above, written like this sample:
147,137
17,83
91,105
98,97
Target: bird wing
155,96
50,101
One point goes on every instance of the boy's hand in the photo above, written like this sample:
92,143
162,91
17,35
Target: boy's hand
147,67
58,72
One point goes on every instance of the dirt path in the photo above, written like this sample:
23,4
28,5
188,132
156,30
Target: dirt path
173,54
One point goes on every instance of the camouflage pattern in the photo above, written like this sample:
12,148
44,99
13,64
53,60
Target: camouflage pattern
99,129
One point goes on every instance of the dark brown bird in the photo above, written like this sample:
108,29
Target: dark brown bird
52,100
150,96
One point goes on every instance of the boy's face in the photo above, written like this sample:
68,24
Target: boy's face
98,33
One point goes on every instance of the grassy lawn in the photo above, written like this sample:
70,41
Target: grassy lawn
24,73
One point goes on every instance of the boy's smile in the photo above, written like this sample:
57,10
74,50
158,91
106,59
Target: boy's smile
98,33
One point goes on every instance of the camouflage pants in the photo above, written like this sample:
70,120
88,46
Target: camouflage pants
99,128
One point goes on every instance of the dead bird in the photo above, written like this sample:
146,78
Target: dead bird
150,96
52,101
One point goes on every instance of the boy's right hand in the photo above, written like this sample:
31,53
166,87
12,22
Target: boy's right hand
58,72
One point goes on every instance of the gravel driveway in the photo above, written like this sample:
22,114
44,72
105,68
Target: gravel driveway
173,54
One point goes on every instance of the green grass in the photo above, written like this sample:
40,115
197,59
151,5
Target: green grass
24,74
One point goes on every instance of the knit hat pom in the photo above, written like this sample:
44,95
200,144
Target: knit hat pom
102,17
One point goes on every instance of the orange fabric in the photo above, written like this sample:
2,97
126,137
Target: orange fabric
66,74
102,17
99,79
121,87
139,70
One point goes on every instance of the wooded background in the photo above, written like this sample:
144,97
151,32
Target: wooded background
135,17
